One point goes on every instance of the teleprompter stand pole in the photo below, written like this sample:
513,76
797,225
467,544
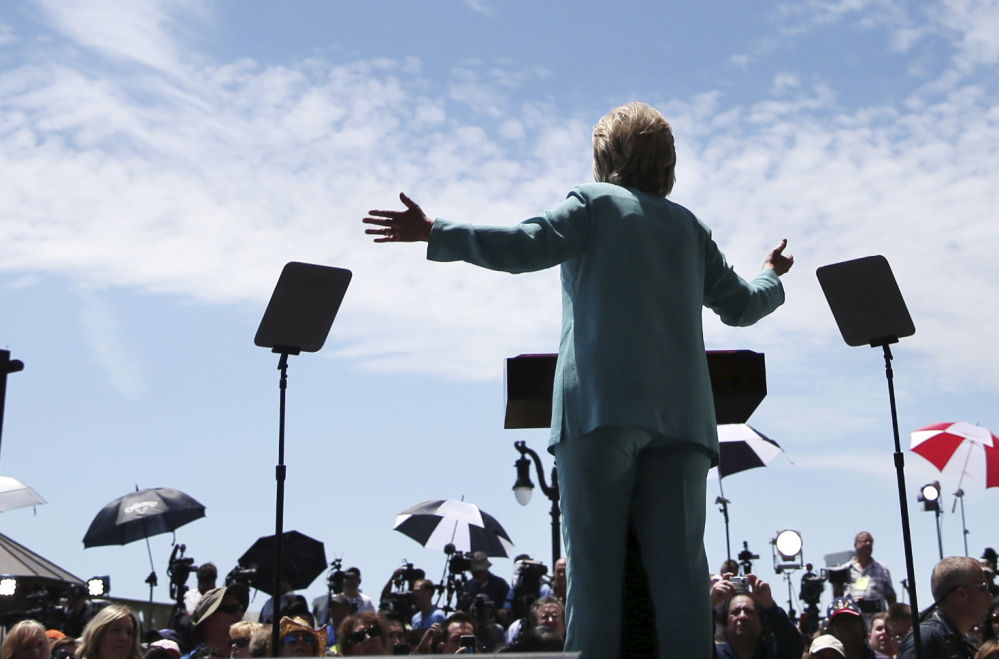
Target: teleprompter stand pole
298,319
902,503
869,310
280,473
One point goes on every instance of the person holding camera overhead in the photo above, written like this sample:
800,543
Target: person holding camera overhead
755,627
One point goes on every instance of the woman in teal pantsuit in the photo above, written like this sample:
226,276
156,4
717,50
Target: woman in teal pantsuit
633,424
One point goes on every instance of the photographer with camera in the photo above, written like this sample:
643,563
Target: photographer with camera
207,575
456,635
484,582
358,600
527,586
755,627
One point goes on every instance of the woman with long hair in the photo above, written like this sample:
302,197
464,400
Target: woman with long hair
26,640
112,634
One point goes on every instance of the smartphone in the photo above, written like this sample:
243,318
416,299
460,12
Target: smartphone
468,642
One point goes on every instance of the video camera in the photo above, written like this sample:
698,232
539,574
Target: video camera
179,569
241,575
812,586
746,558
459,561
527,586
403,600
335,576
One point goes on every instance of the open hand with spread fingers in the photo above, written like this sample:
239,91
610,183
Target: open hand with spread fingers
408,226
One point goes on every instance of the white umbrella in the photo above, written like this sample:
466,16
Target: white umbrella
15,494
438,523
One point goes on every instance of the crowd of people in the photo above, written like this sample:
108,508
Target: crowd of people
527,614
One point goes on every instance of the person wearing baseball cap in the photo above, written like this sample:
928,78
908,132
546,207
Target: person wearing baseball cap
846,623
218,609
358,600
826,646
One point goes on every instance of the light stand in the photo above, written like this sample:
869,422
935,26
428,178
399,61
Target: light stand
298,319
523,487
929,496
959,496
788,556
7,365
722,503
869,310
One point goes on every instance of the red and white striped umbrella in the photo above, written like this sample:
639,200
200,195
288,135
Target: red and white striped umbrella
969,450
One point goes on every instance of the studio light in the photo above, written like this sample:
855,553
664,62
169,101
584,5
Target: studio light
8,586
524,487
788,544
787,551
99,586
929,496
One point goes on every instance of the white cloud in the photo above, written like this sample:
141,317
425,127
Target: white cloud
206,186
110,350
143,33
479,6
976,22
7,35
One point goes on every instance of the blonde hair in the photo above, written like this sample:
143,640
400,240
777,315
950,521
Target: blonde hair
19,634
243,628
633,147
90,642
989,649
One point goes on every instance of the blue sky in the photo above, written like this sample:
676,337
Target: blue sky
162,161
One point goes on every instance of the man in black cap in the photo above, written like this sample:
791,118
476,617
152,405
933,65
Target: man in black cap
218,609
358,600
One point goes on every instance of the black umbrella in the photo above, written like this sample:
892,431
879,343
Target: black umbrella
139,515
142,514
302,559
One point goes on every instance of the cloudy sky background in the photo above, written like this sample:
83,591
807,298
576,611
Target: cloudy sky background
162,161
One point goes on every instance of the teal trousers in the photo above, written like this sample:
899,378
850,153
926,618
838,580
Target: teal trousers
604,475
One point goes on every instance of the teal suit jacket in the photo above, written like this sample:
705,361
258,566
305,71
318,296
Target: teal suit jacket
636,271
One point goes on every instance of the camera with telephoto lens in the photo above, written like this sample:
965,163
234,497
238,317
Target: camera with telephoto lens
241,575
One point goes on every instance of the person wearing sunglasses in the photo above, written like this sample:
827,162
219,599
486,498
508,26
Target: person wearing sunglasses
218,610
298,639
240,634
360,635
961,601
